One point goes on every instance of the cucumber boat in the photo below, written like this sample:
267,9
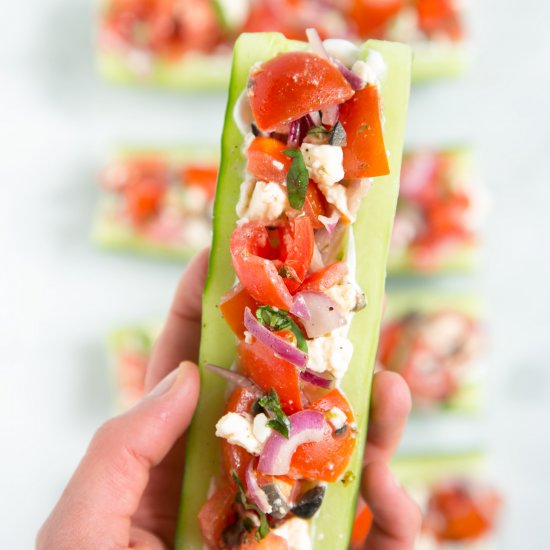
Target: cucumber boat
366,248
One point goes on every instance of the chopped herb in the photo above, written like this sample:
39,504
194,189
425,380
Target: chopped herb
338,135
279,319
349,477
318,130
287,273
279,420
364,128
241,498
296,179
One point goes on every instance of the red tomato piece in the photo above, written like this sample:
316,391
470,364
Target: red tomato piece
439,17
201,175
266,161
457,512
296,249
361,525
216,514
325,278
250,250
315,205
143,199
270,372
232,306
234,457
372,16
271,542
365,152
293,84
327,459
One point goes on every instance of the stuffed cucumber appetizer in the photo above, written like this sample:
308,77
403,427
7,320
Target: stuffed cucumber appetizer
158,201
439,215
460,507
436,341
186,44
306,194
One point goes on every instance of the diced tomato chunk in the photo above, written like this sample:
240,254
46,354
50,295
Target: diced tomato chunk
266,161
439,17
234,457
216,514
143,199
293,84
315,205
373,16
271,372
365,154
361,525
203,176
296,249
271,542
232,306
327,459
322,280
250,250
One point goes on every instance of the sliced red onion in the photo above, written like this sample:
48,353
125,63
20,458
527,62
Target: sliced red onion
316,379
316,43
281,347
329,115
317,259
294,134
313,119
235,378
330,244
355,81
331,222
325,315
305,427
299,308
255,493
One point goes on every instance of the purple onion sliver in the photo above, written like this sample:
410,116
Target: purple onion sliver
316,43
355,81
235,378
281,347
329,115
294,134
305,427
314,118
256,494
331,222
325,315
316,380
299,308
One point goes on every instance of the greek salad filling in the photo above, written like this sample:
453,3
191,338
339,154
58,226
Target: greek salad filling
439,210
160,201
458,511
435,352
313,135
171,30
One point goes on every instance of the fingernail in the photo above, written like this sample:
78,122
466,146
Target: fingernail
165,384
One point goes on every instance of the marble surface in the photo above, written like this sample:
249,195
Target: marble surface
59,296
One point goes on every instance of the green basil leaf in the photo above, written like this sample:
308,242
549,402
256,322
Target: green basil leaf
241,498
279,319
318,130
280,422
297,179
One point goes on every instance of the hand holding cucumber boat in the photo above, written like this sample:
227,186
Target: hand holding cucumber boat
126,491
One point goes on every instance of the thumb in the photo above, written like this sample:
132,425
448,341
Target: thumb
95,509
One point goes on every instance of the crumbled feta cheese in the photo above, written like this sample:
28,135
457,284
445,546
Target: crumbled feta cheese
330,353
260,429
372,70
344,295
237,429
263,201
235,12
337,195
324,163
247,337
296,532
195,199
343,50
404,27
197,232
337,417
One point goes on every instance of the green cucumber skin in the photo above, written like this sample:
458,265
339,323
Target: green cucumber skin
113,236
469,397
372,232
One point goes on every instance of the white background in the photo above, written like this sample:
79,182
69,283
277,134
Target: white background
59,296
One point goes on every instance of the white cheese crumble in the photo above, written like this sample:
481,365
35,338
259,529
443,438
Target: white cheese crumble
238,430
337,417
296,532
197,231
330,353
343,50
195,199
260,429
372,70
344,295
324,163
235,12
262,201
